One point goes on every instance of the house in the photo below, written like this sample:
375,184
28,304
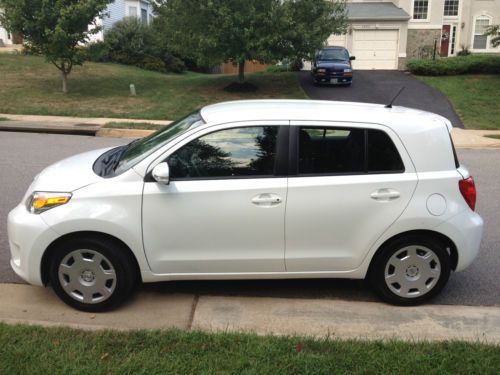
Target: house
115,11
118,10
384,34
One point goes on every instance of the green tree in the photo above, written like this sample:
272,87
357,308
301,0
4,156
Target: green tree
54,28
494,32
215,31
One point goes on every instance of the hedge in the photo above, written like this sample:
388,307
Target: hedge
485,64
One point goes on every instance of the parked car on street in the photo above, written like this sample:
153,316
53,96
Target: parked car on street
263,189
332,65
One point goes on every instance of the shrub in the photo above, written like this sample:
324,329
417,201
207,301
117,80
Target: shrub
130,41
152,63
96,52
277,69
173,64
485,64
464,51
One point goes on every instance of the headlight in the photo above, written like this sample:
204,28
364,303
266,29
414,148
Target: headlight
347,70
40,201
321,70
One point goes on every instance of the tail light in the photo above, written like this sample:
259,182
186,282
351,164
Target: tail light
468,190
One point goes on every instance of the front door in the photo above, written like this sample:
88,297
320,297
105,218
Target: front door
223,211
350,185
445,40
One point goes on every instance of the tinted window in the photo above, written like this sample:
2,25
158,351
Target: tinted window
330,151
333,54
382,153
238,152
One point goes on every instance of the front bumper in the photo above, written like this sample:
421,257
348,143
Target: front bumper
332,78
466,231
29,237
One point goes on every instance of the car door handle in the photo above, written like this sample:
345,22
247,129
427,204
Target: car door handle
385,195
266,200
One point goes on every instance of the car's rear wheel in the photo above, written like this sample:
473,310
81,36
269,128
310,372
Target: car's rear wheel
92,274
410,270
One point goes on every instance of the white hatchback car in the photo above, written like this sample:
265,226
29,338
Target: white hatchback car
255,190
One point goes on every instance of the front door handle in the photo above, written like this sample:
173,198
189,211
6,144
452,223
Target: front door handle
266,200
385,195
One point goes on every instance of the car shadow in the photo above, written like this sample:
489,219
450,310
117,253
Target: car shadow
355,290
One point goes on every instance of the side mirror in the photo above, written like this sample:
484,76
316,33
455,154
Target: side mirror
352,58
161,173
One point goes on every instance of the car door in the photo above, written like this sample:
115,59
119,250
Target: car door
348,184
223,210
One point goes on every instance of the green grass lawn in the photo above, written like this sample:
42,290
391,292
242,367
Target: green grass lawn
475,98
29,85
36,350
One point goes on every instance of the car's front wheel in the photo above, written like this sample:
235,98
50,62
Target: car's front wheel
92,274
410,270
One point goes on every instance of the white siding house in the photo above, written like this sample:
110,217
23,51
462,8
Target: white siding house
116,11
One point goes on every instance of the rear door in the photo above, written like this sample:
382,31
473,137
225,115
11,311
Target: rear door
348,184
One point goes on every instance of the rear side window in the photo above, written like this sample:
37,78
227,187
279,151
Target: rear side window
346,151
331,151
382,153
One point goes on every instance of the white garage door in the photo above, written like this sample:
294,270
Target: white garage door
375,49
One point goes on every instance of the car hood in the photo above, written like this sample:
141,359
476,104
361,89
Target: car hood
69,174
333,64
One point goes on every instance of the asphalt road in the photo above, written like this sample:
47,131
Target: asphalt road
23,155
380,86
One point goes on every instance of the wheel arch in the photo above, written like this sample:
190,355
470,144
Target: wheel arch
436,236
44,264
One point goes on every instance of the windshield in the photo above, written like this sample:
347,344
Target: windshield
142,148
333,54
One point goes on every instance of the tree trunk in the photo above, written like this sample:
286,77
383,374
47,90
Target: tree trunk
64,81
241,71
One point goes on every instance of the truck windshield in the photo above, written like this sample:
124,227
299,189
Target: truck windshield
333,54
140,149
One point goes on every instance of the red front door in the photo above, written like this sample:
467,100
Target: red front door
445,40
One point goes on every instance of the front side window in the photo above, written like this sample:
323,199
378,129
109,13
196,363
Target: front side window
420,9
142,148
230,153
480,27
451,8
331,151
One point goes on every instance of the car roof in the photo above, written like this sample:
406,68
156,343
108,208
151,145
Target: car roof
400,119
333,47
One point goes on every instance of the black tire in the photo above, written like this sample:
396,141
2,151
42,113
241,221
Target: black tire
377,271
115,254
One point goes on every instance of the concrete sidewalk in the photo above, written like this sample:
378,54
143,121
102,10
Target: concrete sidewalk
280,316
73,125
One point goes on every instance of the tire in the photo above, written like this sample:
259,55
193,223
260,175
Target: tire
92,274
410,270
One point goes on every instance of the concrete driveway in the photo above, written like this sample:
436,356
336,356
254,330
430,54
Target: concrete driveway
380,86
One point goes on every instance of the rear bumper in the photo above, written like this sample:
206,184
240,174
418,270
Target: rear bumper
29,237
466,231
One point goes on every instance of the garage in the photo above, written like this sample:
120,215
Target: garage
375,49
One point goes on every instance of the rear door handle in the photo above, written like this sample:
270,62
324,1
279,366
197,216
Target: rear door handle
385,195
266,200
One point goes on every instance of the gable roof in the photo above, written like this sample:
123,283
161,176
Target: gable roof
375,11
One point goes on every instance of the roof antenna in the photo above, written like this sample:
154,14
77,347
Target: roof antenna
395,97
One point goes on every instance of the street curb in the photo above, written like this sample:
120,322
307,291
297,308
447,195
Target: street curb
123,133
262,315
